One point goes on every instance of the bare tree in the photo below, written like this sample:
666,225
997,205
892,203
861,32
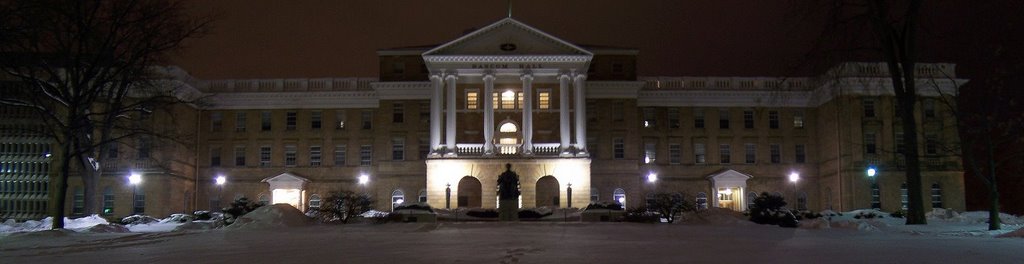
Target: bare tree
988,111
86,67
888,29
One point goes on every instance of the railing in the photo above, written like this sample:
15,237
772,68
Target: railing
505,150
287,85
546,148
470,149
724,83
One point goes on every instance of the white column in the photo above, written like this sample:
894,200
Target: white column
581,114
450,128
527,113
563,110
488,114
435,112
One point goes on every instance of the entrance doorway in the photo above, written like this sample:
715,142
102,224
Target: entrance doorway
470,192
547,192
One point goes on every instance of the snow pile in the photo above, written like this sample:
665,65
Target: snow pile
198,225
981,217
78,224
1019,233
271,216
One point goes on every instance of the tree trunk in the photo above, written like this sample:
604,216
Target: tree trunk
90,178
60,194
993,192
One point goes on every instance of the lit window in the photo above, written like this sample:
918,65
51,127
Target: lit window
520,101
339,119
544,100
649,152
397,198
619,196
798,120
508,100
472,100
508,127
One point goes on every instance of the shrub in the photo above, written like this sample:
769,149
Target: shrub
607,206
342,206
764,209
668,205
415,206
239,207
178,218
867,215
483,213
897,214
641,215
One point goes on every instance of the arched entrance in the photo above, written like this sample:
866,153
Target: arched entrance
470,192
547,191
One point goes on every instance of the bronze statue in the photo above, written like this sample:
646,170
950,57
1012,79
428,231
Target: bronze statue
508,184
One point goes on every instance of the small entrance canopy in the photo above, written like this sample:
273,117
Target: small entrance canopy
287,188
729,187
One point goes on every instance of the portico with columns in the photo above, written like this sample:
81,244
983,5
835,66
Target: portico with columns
501,89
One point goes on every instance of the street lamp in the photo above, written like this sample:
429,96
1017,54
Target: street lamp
220,180
794,177
652,177
872,171
363,179
135,179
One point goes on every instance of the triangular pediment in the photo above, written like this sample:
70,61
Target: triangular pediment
507,37
729,175
286,181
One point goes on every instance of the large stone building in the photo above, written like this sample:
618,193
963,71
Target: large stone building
575,122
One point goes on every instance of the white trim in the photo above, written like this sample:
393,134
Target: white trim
500,23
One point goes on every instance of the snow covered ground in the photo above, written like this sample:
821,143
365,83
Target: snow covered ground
277,236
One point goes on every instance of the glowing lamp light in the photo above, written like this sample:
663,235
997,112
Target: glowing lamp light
363,179
652,177
508,94
793,177
399,201
622,200
221,180
872,171
135,178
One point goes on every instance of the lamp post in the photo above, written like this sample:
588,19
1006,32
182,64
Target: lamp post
220,180
568,193
794,177
447,196
135,179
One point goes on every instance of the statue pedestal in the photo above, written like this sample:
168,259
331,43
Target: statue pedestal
508,210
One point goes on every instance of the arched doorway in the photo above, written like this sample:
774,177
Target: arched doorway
508,138
547,191
470,192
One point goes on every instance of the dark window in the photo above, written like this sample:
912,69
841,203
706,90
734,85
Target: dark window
367,119
316,119
108,201
673,117
112,150
869,143
929,108
617,108
265,121
216,121
723,119
751,155
290,120
801,155
936,195
215,157
397,113
139,205
365,155
240,156
773,120
776,153
698,118
398,149
724,153
617,68
619,148
699,153
748,119
876,199
869,108
931,145
144,147
649,120
675,153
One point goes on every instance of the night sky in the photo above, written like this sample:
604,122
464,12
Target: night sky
299,39
288,39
